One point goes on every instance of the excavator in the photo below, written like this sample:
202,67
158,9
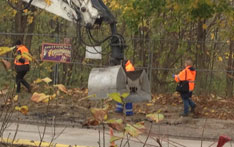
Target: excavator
102,81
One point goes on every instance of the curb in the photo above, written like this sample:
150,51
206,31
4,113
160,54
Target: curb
35,143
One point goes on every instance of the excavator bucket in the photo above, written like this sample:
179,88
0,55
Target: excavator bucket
103,81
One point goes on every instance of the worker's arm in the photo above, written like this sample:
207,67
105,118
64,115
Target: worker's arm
18,52
21,60
180,76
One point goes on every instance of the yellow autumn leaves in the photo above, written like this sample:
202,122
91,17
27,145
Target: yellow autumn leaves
41,97
22,109
46,80
30,14
100,115
25,55
117,97
176,5
116,5
4,50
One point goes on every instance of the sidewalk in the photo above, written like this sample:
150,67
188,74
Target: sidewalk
87,137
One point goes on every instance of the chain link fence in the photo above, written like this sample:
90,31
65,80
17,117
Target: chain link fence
160,58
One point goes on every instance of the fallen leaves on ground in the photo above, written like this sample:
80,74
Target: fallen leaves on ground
157,117
3,92
115,138
91,122
22,109
87,97
209,106
6,64
99,114
16,98
140,126
62,88
116,97
133,131
116,124
46,80
39,97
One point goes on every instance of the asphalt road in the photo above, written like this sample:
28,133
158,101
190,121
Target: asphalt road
89,137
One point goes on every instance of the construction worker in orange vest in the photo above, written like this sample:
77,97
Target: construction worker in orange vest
129,66
189,74
21,66
128,106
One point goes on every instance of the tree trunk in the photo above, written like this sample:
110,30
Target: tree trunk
20,22
230,71
201,58
21,25
31,26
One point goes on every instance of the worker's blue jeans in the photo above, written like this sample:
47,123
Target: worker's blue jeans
186,97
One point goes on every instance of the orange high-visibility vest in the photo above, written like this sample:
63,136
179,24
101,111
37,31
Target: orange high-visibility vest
129,66
22,49
191,76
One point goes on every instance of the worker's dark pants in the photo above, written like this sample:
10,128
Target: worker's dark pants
186,97
20,78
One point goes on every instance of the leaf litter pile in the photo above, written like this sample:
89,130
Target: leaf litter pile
210,106
71,104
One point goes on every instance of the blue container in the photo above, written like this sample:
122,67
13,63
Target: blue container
119,108
128,109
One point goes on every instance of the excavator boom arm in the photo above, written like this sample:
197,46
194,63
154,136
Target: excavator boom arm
101,80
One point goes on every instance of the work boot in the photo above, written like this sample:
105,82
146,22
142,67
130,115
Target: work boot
183,115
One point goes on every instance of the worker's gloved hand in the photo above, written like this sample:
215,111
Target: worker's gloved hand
173,76
21,60
18,52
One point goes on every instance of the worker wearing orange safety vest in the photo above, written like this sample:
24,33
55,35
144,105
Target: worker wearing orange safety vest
128,106
21,66
129,67
188,74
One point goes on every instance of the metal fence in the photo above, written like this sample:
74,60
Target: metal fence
160,58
